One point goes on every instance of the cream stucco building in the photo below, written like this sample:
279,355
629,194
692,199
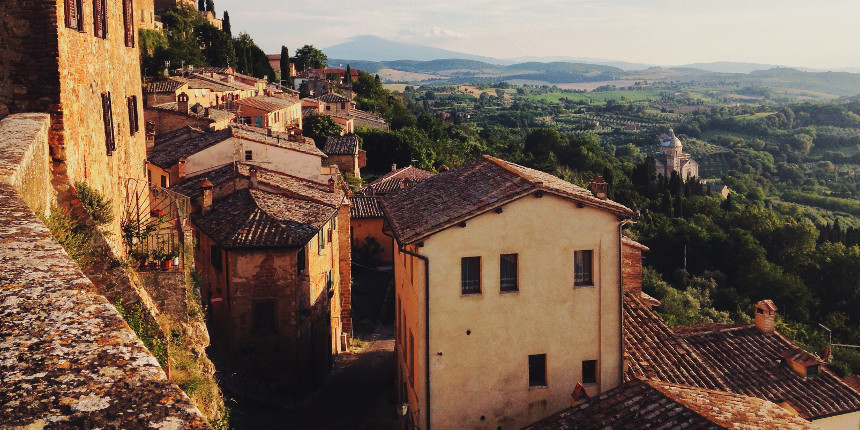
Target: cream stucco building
508,294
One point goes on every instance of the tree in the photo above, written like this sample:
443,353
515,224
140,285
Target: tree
308,57
201,5
319,127
210,6
216,45
226,25
251,59
285,67
348,78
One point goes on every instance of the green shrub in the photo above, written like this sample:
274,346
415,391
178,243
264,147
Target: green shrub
99,207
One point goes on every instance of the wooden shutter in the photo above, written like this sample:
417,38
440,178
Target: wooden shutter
107,116
71,14
128,21
98,22
133,120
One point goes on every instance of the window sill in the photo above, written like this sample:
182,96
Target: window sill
537,387
509,291
590,384
584,286
470,294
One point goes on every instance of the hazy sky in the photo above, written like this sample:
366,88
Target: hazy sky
808,33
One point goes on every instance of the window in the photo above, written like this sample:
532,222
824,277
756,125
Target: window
163,181
74,18
133,120
100,18
258,121
107,117
249,155
329,284
328,107
321,241
508,272
264,317
300,261
411,359
537,371
215,256
589,372
128,22
343,105
582,265
470,275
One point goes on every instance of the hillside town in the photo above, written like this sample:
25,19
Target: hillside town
174,240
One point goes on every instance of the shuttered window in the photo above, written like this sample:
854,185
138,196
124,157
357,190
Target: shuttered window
107,117
128,22
133,120
73,14
100,18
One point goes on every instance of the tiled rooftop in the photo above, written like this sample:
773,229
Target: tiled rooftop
166,86
364,207
341,145
252,218
655,352
266,103
391,180
638,404
751,362
332,98
471,189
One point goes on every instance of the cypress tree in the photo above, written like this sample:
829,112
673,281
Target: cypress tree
226,25
348,78
201,5
210,6
285,67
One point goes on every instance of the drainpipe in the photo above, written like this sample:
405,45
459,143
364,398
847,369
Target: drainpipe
621,291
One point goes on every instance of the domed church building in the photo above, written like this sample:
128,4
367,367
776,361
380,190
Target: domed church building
672,158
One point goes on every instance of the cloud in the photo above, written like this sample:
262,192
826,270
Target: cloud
430,35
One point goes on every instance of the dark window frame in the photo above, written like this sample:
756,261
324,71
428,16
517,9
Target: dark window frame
537,371
589,371
509,279
128,22
133,119
249,155
264,316
583,268
215,257
100,22
107,118
74,16
470,276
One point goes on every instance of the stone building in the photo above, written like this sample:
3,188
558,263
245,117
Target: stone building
80,65
672,158
275,248
345,153
507,294
271,113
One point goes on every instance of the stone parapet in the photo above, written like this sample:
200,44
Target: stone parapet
67,358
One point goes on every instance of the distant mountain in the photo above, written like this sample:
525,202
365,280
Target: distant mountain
729,67
623,65
372,48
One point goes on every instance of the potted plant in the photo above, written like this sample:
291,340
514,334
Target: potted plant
140,257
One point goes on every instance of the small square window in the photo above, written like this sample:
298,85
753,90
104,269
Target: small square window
582,268
508,272
249,155
589,372
537,370
264,317
470,275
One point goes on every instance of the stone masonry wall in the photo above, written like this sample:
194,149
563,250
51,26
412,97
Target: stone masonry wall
345,262
631,267
67,358
29,76
91,66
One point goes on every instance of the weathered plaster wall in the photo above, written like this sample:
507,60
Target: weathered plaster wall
364,228
66,356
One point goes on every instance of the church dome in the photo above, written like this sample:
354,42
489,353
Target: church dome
670,140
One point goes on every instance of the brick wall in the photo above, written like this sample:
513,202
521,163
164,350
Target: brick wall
345,271
631,266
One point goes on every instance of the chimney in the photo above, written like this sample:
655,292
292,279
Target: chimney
393,167
182,103
207,195
599,187
253,173
332,184
406,183
206,112
765,313
180,171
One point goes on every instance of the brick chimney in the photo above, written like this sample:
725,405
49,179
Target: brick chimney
180,170
393,167
207,195
182,103
765,314
599,187
252,171
332,184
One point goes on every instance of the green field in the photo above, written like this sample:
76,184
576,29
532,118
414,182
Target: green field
597,97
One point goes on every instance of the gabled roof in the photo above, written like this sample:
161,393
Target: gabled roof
266,103
655,352
660,405
341,145
167,152
332,98
391,180
752,363
253,218
364,207
456,195
165,86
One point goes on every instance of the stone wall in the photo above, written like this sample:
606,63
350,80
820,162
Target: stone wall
631,265
169,120
345,267
67,358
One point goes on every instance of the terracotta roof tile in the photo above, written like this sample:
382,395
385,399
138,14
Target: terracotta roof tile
165,86
473,188
341,145
391,180
654,351
266,103
853,382
365,207
332,98
751,363
659,405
